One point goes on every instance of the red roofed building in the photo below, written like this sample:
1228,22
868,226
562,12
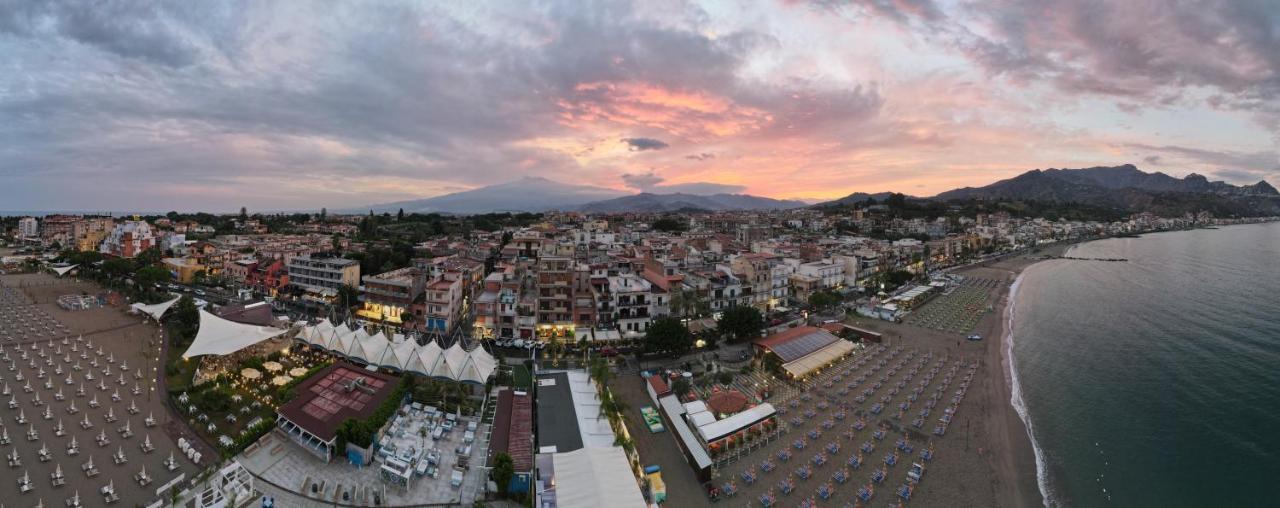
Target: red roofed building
327,399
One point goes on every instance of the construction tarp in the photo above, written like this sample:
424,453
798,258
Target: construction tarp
218,336
594,477
156,311
818,359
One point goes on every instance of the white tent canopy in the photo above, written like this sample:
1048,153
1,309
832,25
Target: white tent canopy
218,336
455,363
591,477
62,270
156,311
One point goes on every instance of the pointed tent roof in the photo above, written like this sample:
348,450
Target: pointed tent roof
156,311
62,270
315,335
484,362
367,348
334,341
403,354
426,358
455,357
218,336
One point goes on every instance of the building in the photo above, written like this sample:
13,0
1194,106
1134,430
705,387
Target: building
829,273
28,228
389,296
577,446
128,239
238,271
555,297
320,277
630,305
799,351
267,278
328,398
441,308
183,269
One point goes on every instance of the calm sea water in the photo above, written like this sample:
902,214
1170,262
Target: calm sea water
1155,382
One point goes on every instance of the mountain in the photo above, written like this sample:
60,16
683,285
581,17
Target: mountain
529,194
648,202
1091,184
855,198
1127,188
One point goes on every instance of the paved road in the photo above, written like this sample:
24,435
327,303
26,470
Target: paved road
683,488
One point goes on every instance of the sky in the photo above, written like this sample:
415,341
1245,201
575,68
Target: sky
297,105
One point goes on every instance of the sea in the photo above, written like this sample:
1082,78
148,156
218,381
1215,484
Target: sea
1153,381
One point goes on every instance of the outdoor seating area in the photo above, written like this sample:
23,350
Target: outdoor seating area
959,309
239,401
835,433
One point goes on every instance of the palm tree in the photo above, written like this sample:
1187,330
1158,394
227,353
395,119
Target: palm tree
599,371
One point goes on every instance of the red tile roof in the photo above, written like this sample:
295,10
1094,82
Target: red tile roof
323,402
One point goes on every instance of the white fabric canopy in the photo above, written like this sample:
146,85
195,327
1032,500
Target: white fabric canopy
219,336
156,311
62,270
592,477
395,352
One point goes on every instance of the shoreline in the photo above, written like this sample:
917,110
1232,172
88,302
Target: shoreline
1014,462
992,461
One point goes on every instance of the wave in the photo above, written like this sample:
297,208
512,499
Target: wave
1015,398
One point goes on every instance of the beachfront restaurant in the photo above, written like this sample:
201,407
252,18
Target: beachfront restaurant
803,350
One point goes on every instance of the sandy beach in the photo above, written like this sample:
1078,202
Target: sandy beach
996,465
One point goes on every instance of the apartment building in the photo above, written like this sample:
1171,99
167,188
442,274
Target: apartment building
28,228
128,239
319,277
389,296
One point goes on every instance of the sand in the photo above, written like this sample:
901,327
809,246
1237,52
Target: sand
128,339
997,463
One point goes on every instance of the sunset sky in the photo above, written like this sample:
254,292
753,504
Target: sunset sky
297,105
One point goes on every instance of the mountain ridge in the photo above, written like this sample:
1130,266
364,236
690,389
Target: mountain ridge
1123,188
653,202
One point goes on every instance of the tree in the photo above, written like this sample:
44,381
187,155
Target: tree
685,303
324,214
400,215
681,386
148,257
117,267
503,469
668,224
822,299
668,335
599,371
244,214
740,323
348,296
149,276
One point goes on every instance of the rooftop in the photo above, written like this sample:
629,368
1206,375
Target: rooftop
557,419
797,342
328,398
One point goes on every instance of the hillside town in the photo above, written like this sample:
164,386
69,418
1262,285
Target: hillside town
313,359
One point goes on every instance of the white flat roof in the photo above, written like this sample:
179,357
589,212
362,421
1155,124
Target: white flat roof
727,426
593,477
